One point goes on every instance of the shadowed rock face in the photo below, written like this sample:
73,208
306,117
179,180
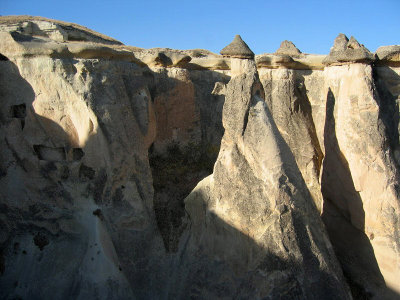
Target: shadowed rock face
71,196
279,243
368,196
102,142
77,188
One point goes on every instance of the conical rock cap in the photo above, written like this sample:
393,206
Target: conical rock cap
288,48
345,51
238,48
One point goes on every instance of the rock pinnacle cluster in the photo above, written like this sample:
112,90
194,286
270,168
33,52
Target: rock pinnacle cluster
130,173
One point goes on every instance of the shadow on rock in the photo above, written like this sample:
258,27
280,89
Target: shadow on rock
64,227
387,84
217,260
189,132
343,215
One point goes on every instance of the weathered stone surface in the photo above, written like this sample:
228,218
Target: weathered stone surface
86,212
209,63
301,62
104,111
277,61
219,89
238,48
54,189
387,81
100,109
15,45
286,97
160,58
189,131
288,48
55,30
254,230
345,50
389,55
360,179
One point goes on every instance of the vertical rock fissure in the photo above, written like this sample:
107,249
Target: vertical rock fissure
175,173
237,214
343,214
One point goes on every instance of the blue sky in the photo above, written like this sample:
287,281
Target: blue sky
311,25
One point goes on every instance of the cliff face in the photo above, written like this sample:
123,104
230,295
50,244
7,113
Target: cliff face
102,142
255,231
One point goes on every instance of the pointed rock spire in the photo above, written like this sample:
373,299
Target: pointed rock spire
238,48
345,50
340,43
254,214
354,44
288,48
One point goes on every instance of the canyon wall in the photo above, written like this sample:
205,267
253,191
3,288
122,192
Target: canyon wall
160,173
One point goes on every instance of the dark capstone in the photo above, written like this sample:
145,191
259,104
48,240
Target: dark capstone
238,48
345,50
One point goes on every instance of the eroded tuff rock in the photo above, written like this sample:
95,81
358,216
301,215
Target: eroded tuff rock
187,141
68,179
345,50
238,48
254,230
366,193
295,62
286,97
388,56
101,142
52,29
288,48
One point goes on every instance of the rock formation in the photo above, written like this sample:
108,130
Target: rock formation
287,99
288,48
345,50
359,158
73,199
254,230
388,53
288,163
238,48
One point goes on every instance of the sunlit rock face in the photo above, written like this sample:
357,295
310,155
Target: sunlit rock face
85,212
102,142
366,192
255,231
291,107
